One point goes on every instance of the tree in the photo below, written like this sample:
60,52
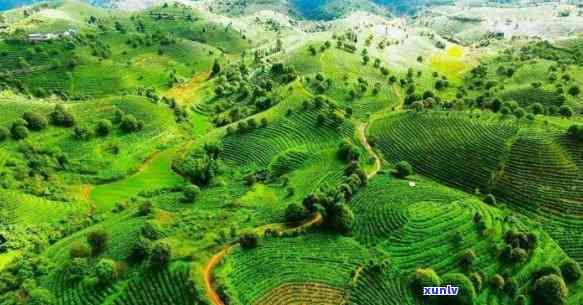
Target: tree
570,270
497,282
550,290
490,200
129,123
466,294
19,132
160,255
295,212
35,121
216,69
249,240
537,108
40,296
467,260
519,113
140,250
341,218
144,209
97,239
81,133
4,133
575,132
424,278
403,169
566,111
190,193
105,271
574,90
79,249
61,117
348,152
104,127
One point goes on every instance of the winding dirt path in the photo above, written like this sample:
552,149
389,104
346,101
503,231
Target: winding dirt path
218,257
281,228
361,132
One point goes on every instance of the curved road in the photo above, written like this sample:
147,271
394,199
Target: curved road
280,228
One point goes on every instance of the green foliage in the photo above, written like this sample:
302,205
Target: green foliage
105,271
4,133
424,278
191,192
403,169
466,294
160,255
571,271
98,240
295,213
549,290
35,121
249,240
104,127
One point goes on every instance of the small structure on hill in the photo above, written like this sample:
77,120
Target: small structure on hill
37,37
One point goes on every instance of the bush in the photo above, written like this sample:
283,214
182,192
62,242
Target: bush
497,282
129,123
140,250
40,296
190,193
97,240
341,219
468,259
575,132
550,290
566,111
104,127
466,294
35,121
61,117
19,132
144,209
249,241
160,255
424,278
477,280
403,169
79,249
4,133
545,271
521,300
295,212
570,270
82,133
490,200
105,271
348,152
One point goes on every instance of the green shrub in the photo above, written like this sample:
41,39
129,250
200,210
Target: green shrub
61,117
550,290
249,240
466,294
35,121
295,212
403,169
40,296
160,255
341,218
103,127
105,271
190,193
129,123
575,132
19,132
497,282
490,200
140,250
424,278
544,271
81,133
571,270
79,249
97,239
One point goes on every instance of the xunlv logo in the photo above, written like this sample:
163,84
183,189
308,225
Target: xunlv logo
447,290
